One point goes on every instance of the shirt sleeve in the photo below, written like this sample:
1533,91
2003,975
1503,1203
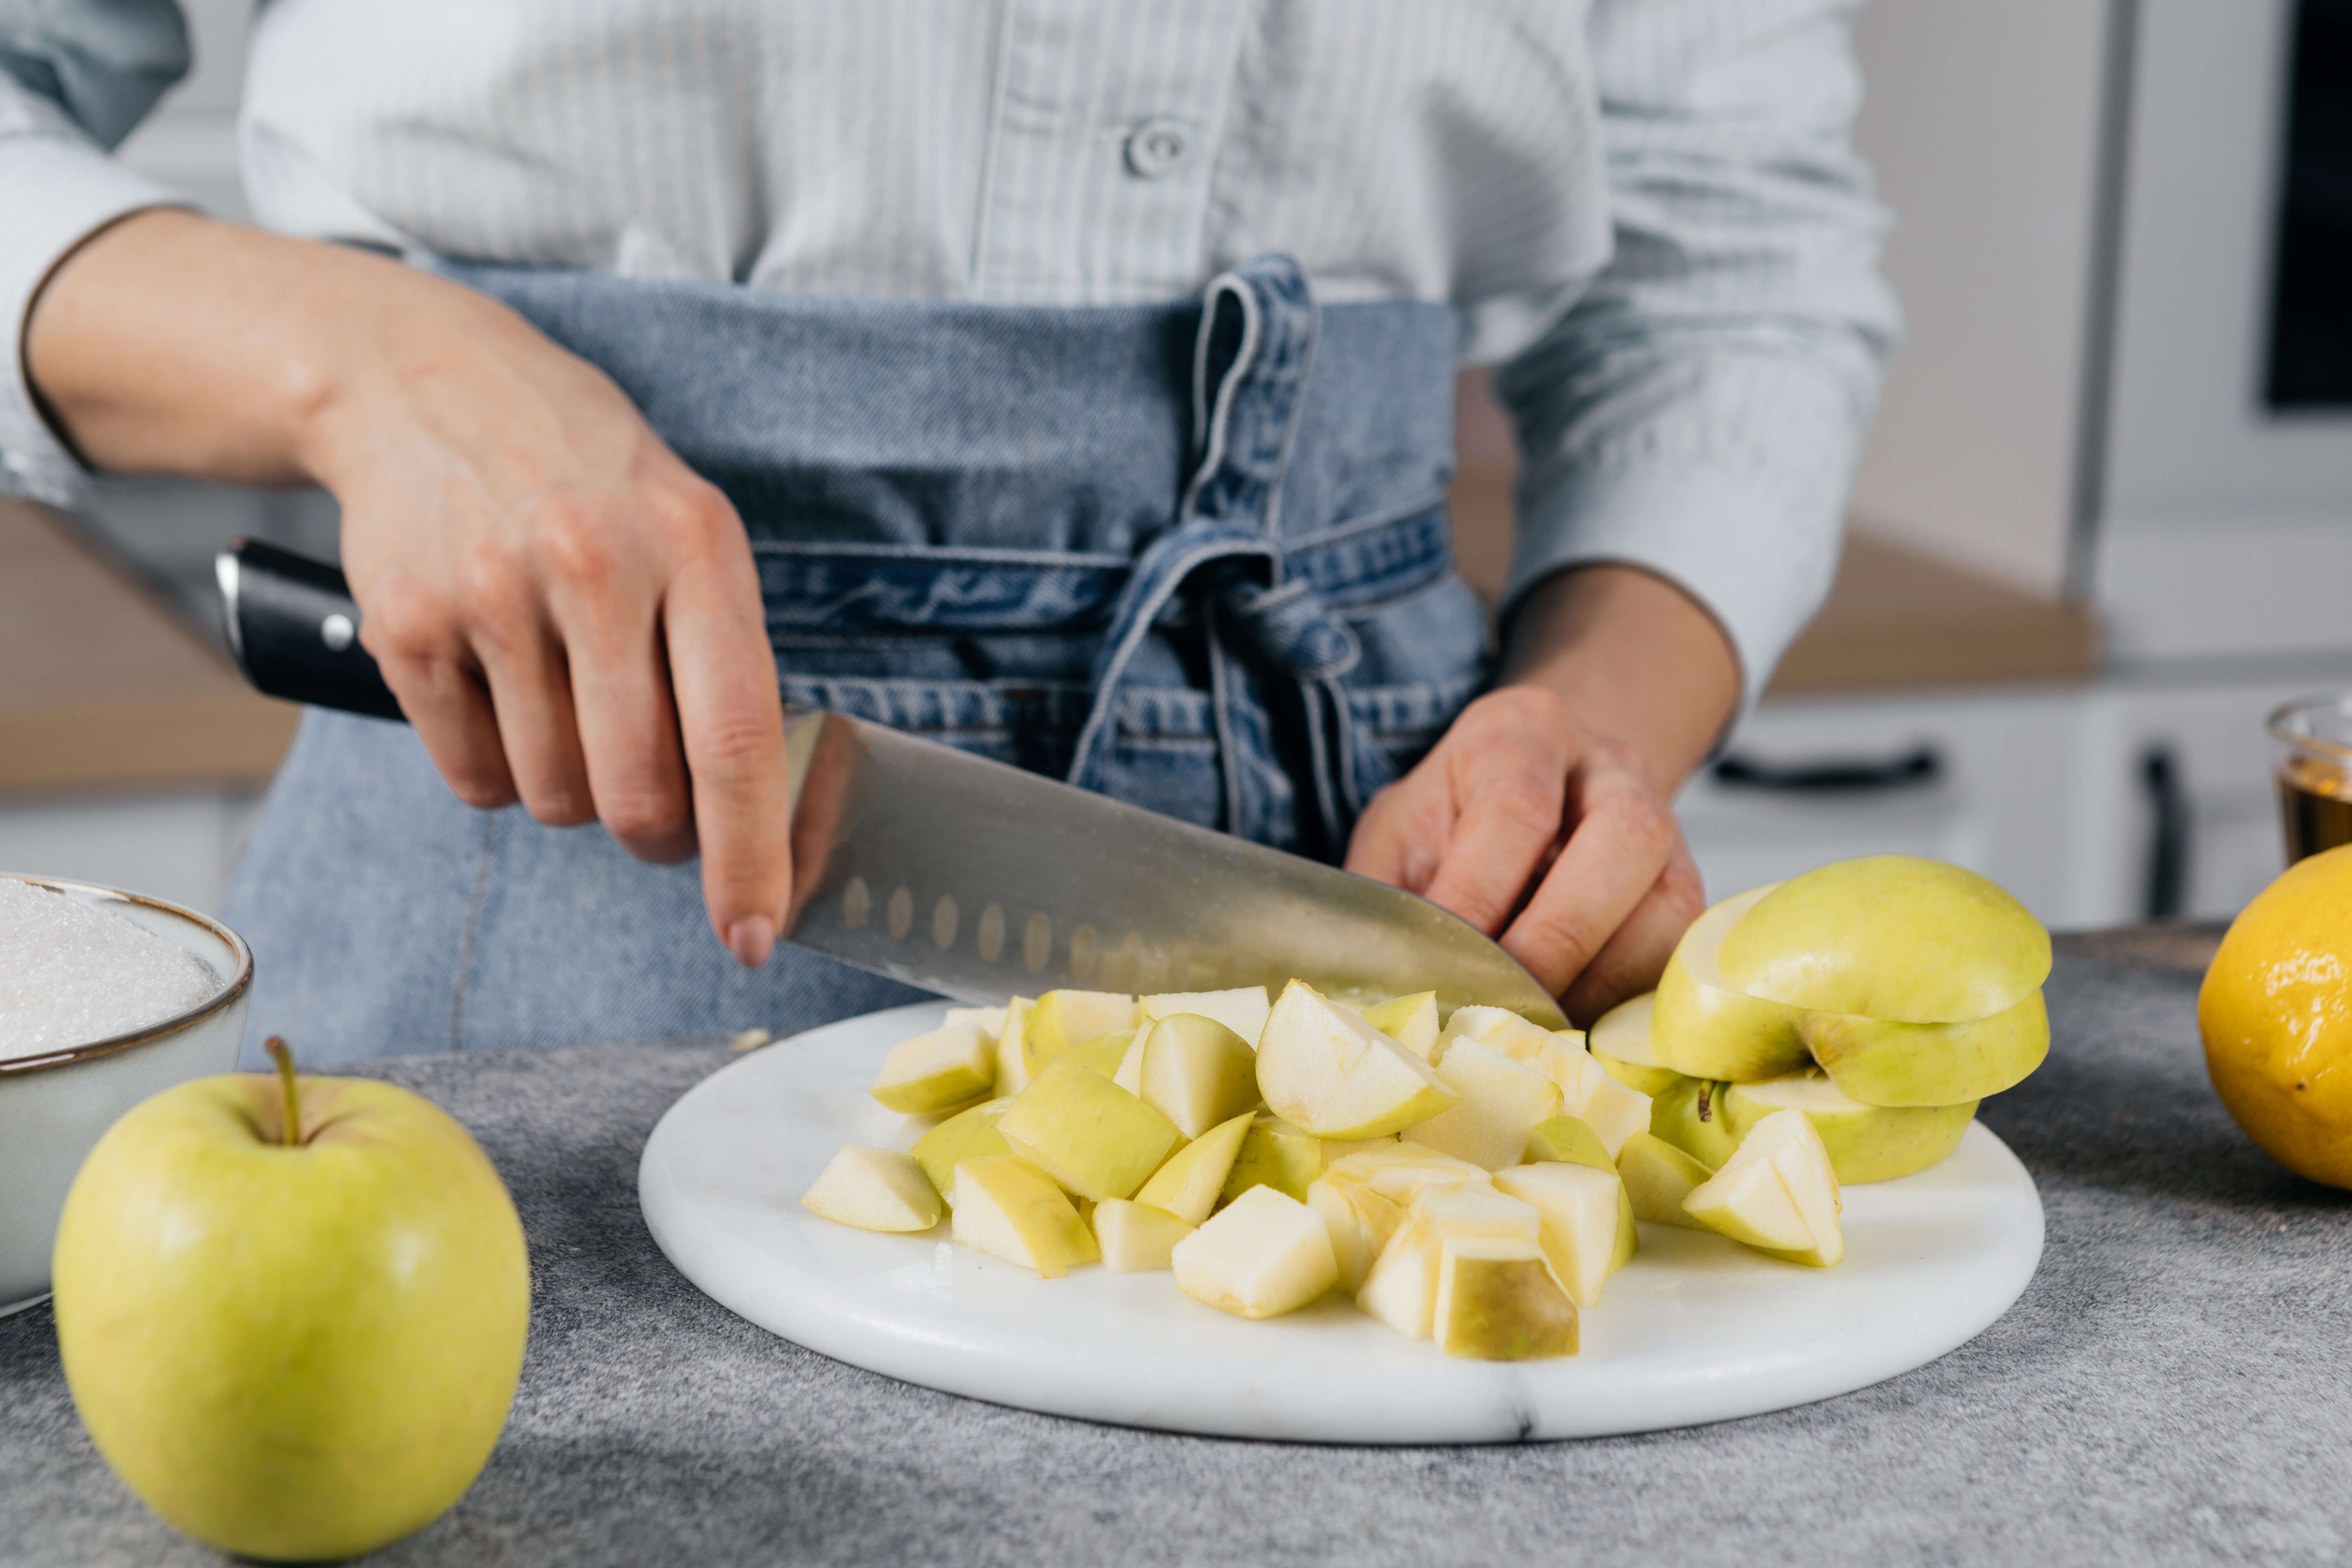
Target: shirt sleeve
1699,412
74,80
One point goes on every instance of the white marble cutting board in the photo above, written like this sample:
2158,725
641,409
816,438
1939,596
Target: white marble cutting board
1696,1328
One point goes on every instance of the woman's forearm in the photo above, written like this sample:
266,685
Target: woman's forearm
1633,658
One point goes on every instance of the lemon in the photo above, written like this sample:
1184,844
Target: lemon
2276,1014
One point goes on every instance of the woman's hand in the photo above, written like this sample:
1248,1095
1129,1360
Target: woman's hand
1544,816
567,613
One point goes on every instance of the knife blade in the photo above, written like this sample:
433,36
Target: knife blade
973,878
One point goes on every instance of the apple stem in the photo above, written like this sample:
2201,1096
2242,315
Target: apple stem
284,1057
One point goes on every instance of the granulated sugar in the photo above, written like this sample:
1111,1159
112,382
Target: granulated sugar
71,972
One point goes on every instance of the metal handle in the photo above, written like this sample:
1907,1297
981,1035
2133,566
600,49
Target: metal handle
294,630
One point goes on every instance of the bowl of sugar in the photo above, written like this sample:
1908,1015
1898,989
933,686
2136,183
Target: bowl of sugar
105,998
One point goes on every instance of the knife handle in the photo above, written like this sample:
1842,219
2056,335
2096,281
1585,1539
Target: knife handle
294,630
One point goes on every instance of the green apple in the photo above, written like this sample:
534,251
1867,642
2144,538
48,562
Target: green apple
1586,1222
1404,1171
962,1136
1360,1222
1009,1209
1195,1071
874,1189
1276,1154
1263,1254
1410,1021
1324,1069
1087,1133
1890,937
948,1067
1658,1177
1242,1009
1566,1139
1500,1102
1776,1193
1690,1117
291,1314
1702,1026
1136,1238
1497,1301
1882,1063
1189,1183
1866,1143
1619,1042
1402,1290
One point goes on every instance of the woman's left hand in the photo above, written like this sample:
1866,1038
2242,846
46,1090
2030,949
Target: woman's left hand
1547,836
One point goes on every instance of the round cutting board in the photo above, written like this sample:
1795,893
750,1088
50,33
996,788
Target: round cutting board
1696,1328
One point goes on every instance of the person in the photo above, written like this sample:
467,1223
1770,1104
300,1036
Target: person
1068,382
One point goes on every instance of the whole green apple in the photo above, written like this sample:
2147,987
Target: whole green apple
291,1347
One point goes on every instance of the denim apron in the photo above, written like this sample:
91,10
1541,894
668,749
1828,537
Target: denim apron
1194,556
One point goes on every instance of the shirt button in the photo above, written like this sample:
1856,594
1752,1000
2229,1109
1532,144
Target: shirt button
1158,147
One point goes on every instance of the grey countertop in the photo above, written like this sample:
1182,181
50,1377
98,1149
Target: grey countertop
2171,1389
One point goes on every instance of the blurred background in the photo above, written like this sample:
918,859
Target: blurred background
2104,526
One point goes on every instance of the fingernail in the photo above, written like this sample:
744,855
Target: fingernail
751,939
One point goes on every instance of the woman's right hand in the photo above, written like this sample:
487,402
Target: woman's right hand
568,615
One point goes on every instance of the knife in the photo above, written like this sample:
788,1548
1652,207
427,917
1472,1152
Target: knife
970,878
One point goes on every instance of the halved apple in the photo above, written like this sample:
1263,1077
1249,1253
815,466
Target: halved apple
950,1065
1658,1177
874,1189
1265,1253
1776,1193
1135,1237
1087,1133
1410,1021
1585,1220
1189,1183
962,1136
1326,1071
1501,1101
1866,1143
1497,1300
1619,1042
1009,1209
1242,1009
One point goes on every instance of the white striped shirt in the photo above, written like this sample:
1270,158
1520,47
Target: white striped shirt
1647,212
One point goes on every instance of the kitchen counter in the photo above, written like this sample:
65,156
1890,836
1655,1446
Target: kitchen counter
2167,1391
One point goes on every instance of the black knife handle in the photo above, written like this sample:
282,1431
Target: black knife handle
294,630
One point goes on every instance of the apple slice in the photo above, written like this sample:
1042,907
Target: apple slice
1087,1133
1658,1177
1776,1193
1265,1254
1690,1117
1402,1290
1588,1093
962,1136
874,1189
1410,1021
1242,1009
1585,1218
988,1021
1501,1101
1497,1301
1619,1042
1883,1063
1565,1140
1276,1154
1866,1143
1009,1209
1404,1171
1703,1026
1189,1183
948,1067
1359,1221
1499,1027
1324,1071
1194,1070
1136,1238
1888,937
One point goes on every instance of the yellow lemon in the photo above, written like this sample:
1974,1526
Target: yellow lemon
2276,1014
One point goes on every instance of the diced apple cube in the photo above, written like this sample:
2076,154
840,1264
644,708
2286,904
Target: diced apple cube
1193,1178
960,1137
1588,1093
988,1021
1497,1301
1013,1069
1583,1211
874,1189
1501,1101
1194,1071
1136,1238
1402,1290
1776,1193
1009,1209
1276,1154
1406,1170
948,1067
1265,1254
1104,1054
1360,1224
1565,1140
1242,1009
1498,1027
1066,1018
1658,1177
1087,1133
1324,1069
1410,1021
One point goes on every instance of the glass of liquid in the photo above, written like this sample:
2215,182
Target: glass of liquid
2314,736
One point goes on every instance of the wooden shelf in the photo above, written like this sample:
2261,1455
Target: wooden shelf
102,688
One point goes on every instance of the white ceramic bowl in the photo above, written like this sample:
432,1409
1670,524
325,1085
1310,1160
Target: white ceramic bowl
54,1106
